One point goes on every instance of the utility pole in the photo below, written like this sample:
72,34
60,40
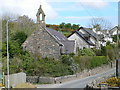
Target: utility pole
8,78
118,54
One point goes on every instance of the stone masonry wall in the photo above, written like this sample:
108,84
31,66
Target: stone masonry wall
36,79
85,73
41,43
16,79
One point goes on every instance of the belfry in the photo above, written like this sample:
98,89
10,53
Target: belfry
41,17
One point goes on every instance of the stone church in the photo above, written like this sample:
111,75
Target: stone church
46,42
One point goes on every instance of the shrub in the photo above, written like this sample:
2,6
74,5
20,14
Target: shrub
90,62
103,50
87,52
115,38
20,37
84,62
97,52
66,59
14,49
112,82
110,52
98,61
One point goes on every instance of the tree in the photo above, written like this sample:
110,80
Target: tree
14,49
62,25
115,38
75,27
20,37
110,52
68,25
100,24
25,24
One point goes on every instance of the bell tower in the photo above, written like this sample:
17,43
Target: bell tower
41,17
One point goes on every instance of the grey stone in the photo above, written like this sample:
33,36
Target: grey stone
16,79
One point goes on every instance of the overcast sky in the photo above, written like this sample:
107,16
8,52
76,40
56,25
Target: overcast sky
69,11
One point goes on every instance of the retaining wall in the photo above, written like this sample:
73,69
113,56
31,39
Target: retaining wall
15,79
52,80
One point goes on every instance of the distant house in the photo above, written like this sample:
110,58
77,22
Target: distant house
104,36
47,42
84,38
114,31
93,37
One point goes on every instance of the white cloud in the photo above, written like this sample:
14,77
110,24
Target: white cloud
93,3
69,8
79,17
27,7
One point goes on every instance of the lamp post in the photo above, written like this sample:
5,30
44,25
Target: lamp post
8,78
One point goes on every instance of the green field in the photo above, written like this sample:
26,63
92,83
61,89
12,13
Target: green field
66,33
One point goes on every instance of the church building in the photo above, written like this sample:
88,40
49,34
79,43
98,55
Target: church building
46,42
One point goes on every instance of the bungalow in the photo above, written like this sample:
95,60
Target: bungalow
85,38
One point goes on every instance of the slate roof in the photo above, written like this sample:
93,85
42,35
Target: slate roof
59,36
89,32
68,45
82,35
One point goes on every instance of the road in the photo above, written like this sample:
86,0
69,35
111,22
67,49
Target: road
80,83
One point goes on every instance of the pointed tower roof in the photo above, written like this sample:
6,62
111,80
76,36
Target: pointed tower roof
41,17
40,11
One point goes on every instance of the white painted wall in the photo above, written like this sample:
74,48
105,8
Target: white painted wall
108,39
79,41
115,32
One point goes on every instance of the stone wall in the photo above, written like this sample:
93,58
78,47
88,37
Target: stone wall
36,79
85,73
15,79
41,43
49,80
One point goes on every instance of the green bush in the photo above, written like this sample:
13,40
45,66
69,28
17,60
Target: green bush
84,62
14,49
115,38
110,52
98,61
103,51
97,52
87,52
20,37
66,59
89,62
